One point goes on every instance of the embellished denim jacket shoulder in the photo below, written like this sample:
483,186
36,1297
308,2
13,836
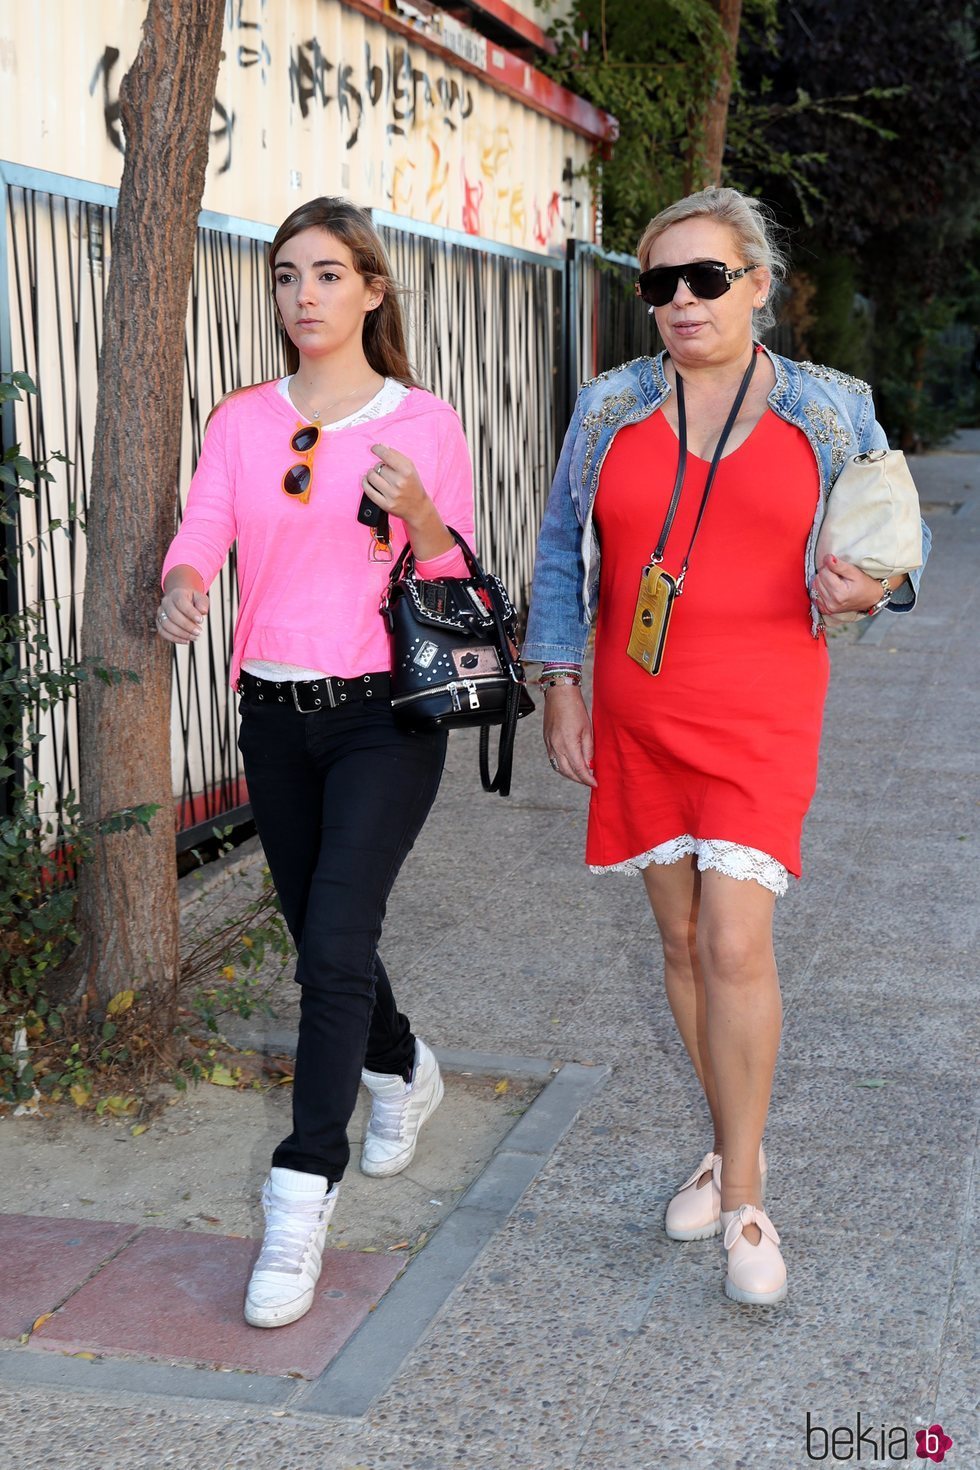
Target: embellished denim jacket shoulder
833,410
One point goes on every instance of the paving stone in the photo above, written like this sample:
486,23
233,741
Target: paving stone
857,1332
176,1295
42,1261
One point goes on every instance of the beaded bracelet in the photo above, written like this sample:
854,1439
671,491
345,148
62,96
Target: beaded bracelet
559,676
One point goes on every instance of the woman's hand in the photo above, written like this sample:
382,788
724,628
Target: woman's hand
181,614
840,587
395,486
568,734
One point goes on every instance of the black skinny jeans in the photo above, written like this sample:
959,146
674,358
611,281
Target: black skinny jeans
339,798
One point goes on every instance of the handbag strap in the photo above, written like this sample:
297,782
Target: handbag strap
743,388
405,565
505,751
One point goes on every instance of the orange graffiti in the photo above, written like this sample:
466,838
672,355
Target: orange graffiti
402,185
496,153
518,214
437,194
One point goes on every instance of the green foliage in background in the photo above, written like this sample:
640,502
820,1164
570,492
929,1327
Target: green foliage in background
856,122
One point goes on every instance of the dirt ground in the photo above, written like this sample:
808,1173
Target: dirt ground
201,1161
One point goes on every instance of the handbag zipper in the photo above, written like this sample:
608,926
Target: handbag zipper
452,688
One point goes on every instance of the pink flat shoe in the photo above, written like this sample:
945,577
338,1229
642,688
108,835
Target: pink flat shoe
694,1213
756,1273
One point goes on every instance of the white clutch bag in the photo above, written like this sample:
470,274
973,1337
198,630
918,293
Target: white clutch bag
872,517
872,520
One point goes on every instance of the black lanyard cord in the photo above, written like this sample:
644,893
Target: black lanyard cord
743,388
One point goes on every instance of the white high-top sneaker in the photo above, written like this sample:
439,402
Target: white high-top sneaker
398,1110
297,1209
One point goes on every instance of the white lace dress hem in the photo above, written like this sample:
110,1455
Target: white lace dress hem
730,858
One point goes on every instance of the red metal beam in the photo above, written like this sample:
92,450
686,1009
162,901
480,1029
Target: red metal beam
209,804
507,73
505,15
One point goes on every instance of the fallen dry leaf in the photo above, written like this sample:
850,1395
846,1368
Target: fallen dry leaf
221,1077
502,1086
121,1002
40,1321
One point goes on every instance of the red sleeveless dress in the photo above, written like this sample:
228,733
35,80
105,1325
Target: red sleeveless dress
723,742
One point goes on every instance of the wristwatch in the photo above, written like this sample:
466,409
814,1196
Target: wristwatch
883,601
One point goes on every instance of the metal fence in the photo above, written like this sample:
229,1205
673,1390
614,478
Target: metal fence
505,335
56,240
485,334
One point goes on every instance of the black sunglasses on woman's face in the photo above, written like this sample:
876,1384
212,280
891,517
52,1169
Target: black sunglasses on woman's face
705,279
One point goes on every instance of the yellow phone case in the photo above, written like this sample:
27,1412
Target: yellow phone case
651,620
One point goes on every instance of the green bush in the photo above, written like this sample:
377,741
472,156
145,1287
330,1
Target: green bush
39,851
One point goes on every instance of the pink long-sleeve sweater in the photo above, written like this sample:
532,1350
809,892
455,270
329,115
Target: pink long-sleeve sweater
308,589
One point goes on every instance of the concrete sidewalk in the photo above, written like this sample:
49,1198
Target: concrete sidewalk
574,1335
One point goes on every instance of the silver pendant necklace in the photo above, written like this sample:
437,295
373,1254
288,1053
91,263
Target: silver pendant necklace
318,413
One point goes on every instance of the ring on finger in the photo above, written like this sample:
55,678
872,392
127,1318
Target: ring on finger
162,615
553,762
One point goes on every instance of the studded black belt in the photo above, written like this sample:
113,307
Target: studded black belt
309,695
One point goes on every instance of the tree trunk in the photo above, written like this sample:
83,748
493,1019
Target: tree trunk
708,147
127,889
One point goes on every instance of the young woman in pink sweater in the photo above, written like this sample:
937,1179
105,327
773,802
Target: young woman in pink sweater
338,791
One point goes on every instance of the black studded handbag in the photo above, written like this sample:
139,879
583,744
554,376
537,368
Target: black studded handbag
454,661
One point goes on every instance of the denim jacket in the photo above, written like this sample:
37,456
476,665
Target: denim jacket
834,411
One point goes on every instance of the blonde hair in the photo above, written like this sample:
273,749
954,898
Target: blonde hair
751,223
384,328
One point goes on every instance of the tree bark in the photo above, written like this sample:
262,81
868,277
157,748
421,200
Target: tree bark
127,887
705,157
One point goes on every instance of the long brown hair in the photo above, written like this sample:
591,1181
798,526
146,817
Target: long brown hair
384,328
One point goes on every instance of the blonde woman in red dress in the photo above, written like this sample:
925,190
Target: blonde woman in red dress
701,776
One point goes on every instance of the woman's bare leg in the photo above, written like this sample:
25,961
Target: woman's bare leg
674,892
744,1018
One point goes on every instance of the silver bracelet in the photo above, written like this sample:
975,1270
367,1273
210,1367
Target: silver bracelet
883,601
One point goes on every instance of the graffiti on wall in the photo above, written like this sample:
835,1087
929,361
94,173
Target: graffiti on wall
437,159
105,72
392,81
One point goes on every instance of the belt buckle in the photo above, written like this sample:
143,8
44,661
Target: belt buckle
313,685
